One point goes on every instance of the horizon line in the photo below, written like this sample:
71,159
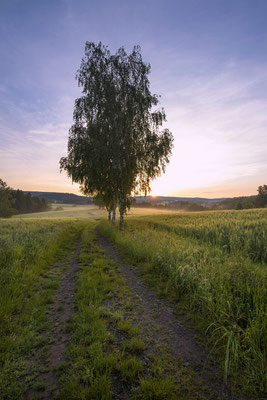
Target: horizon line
149,195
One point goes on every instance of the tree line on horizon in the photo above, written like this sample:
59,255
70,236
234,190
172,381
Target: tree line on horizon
63,198
236,203
244,202
17,202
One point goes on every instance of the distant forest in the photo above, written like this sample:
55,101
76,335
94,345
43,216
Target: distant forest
26,203
63,198
236,203
16,202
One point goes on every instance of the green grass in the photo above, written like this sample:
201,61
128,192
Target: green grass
93,356
212,265
135,345
27,248
208,264
106,345
244,232
28,283
130,368
105,337
158,389
126,327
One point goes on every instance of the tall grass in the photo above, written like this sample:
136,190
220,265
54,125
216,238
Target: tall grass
27,249
244,231
223,286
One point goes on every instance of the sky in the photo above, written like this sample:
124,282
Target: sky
208,62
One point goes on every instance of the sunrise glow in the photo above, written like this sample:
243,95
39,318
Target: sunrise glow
211,78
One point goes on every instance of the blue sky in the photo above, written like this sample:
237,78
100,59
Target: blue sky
209,64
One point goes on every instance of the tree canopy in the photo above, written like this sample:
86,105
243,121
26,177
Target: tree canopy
6,208
115,145
262,196
17,202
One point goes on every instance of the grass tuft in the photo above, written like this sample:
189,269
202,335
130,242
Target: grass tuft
213,265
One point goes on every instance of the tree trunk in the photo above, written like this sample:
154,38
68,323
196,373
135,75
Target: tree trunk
121,221
114,214
109,215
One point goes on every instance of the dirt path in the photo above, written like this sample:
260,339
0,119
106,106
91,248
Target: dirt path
163,328
165,336
47,359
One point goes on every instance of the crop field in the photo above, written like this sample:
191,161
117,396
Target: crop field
214,265
210,267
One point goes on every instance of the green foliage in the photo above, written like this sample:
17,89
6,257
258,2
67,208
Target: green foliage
262,196
115,145
25,203
236,203
6,203
16,202
246,202
62,198
214,264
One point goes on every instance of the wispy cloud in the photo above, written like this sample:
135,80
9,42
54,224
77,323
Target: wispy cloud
39,132
210,68
31,146
220,123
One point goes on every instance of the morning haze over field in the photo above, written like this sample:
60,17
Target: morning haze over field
109,291
209,64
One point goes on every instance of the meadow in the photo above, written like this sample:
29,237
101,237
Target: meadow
27,248
211,266
85,211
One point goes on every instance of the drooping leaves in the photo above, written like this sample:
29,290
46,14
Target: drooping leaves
115,146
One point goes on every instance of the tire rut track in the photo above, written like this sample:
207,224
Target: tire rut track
62,309
179,339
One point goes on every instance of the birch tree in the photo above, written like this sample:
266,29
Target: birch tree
115,145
